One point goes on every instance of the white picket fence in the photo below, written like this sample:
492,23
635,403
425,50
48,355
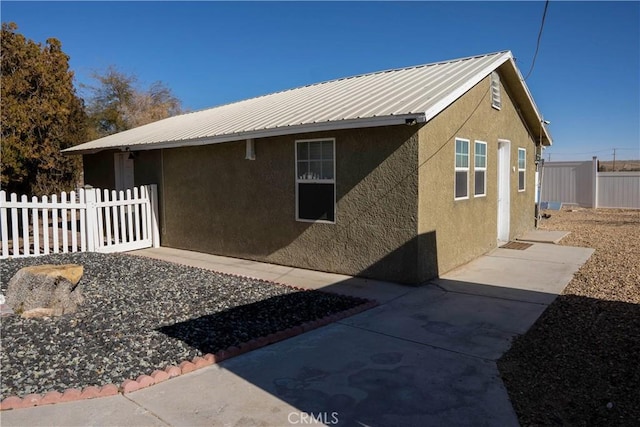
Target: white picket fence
90,220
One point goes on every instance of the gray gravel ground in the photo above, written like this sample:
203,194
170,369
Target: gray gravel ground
140,315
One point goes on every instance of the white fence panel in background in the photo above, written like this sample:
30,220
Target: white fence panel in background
568,182
619,190
580,183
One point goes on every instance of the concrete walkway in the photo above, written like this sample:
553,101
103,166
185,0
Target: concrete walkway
425,357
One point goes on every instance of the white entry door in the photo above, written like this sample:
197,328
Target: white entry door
123,171
504,166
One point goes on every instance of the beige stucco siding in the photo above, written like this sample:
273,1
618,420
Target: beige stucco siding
396,217
218,202
465,229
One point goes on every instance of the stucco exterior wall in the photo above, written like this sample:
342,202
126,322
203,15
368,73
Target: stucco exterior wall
217,202
147,169
465,229
396,217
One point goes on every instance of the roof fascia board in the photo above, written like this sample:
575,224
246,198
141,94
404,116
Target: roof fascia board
527,92
265,133
464,88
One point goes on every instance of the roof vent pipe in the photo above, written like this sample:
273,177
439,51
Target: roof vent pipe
251,150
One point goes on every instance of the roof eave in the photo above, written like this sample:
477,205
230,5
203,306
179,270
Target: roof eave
464,88
531,114
363,122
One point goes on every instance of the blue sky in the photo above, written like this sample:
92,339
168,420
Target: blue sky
586,79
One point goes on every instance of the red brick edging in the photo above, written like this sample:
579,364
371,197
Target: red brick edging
198,362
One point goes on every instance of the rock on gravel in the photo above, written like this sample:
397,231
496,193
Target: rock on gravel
579,363
140,315
45,290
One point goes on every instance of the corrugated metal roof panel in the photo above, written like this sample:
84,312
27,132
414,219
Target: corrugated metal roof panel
372,98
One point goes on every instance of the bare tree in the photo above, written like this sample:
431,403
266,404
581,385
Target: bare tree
117,103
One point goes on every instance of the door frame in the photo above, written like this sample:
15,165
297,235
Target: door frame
124,171
504,190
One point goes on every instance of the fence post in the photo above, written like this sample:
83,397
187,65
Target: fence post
155,232
594,182
4,225
92,218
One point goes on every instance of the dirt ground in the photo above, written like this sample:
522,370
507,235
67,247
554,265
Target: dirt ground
579,365
620,166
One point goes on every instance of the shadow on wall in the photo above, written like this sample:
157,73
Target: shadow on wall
237,217
413,263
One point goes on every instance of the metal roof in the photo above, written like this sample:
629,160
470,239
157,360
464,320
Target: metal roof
376,99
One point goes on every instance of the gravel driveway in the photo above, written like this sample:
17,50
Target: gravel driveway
579,365
140,315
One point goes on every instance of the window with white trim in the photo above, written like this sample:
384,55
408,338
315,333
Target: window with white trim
315,180
480,169
462,169
496,102
522,168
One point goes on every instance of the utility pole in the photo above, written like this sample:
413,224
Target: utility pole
549,155
614,160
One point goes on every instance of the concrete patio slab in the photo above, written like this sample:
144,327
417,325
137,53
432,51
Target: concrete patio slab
345,375
425,356
106,411
543,236
473,325
541,271
547,253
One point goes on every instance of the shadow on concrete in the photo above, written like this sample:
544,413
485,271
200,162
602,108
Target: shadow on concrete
427,357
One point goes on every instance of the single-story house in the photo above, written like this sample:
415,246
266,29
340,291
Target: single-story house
399,175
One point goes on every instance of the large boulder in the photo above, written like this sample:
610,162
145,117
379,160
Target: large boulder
45,290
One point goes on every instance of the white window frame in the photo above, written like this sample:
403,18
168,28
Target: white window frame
315,181
460,168
523,170
476,168
496,98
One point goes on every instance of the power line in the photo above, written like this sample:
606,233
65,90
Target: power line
535,55
571,153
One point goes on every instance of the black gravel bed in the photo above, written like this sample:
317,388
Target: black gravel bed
140,315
